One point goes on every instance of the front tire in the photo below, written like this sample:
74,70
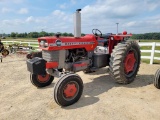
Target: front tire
29,56
41,80
157,79
125,61
5,52
68,90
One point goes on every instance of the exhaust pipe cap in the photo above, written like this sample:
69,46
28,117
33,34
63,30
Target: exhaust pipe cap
78,10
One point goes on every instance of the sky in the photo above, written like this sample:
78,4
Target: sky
133,16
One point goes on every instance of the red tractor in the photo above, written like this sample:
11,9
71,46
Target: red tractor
64,56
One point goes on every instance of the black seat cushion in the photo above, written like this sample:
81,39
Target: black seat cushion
106,36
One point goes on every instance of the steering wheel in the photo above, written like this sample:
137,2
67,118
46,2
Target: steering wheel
94,31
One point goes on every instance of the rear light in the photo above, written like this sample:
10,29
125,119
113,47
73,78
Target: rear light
43,43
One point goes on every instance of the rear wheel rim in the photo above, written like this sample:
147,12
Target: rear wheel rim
43,78
70,90
130,63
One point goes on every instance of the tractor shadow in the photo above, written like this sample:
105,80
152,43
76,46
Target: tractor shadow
102,84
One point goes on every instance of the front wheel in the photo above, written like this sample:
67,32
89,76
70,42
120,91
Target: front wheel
157,79
68,90
5,52
29,56
41,80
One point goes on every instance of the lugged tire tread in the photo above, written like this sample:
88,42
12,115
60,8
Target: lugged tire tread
116,61
157,79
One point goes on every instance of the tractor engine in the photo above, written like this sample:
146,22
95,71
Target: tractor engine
71,60
76,55
77,60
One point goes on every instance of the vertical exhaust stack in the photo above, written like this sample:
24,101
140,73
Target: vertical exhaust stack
77,23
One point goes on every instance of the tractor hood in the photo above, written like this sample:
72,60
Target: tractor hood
88,42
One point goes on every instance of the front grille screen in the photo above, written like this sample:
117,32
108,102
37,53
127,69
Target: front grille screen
50,56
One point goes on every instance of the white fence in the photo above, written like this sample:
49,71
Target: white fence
152,51
33,44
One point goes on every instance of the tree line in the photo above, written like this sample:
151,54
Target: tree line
147,36
37,34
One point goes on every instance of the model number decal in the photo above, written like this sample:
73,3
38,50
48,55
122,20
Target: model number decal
59,43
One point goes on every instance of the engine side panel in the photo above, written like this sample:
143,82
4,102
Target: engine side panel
62,56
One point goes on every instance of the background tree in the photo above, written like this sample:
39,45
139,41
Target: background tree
147,36
82,34
13,34
70,34
65,34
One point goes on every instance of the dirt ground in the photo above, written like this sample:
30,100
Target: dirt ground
102,98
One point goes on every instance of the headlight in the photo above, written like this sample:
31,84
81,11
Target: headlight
43,43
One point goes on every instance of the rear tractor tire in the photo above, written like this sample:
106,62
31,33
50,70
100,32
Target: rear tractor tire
125,62
41,80
68,90
157,79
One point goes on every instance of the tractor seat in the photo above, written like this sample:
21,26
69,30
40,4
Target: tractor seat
103,42
106,36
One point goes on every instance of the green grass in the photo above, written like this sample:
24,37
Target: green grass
149,54
21,39
149,40
148,61
149,48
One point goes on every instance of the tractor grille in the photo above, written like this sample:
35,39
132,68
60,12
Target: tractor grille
50,55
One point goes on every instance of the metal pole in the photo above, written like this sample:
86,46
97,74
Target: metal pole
117,28
2,33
